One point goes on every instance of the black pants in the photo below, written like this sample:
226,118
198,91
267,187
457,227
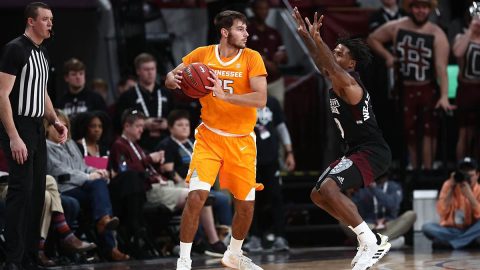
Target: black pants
268,202
26,191
127,193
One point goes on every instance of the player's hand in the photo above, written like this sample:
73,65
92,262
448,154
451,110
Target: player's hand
314,28
445,104
62,131
217,86
301,27
174,79
19,150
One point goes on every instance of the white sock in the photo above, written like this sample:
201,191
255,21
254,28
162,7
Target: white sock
364,234
236,245
185,249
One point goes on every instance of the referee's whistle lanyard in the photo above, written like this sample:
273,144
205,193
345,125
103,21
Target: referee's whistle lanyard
141,100
188,151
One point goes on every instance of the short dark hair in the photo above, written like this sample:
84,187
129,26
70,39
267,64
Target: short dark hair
226,18
359,50
143,58
73,64
31,10
176,115
131,115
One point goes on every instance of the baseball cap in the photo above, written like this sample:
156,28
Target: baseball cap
467,163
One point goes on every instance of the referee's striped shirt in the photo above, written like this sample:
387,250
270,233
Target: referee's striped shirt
29,64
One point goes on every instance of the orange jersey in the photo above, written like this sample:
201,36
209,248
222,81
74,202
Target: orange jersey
235,74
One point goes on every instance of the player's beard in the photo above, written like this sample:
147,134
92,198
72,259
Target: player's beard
418,22
236,45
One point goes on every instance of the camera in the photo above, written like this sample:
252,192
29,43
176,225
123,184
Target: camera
460,176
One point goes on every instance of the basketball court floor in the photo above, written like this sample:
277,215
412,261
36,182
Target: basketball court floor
419,257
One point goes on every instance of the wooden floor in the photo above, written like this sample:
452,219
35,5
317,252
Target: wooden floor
421,256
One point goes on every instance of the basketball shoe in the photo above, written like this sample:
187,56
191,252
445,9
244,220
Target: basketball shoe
184,264
238,261
369,254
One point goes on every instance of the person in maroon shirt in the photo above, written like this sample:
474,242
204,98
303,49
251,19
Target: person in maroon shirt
268,42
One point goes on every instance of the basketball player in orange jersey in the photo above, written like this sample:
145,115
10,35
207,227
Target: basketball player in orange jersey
225,141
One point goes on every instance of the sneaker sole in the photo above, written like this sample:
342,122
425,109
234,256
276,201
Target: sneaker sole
227,265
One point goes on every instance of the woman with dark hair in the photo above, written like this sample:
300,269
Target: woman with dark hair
92,133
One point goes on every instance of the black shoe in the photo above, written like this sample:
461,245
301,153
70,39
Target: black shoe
216,249
441,245
12,266
199,247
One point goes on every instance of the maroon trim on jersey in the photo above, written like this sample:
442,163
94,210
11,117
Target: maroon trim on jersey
335,163
360,159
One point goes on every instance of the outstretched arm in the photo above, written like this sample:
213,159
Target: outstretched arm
344,84
304,34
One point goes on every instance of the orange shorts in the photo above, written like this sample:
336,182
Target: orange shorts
232,158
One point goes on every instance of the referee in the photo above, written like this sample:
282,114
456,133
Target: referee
24,102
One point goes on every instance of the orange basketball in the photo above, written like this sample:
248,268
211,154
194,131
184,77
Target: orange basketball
194,80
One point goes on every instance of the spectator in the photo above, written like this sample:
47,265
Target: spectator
465,48
123,85
388,12
459,209
86,184
379,205
421,50
92,130
270,130
148,97
78,99
127,156
268,42
126,83
178,153
100,87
